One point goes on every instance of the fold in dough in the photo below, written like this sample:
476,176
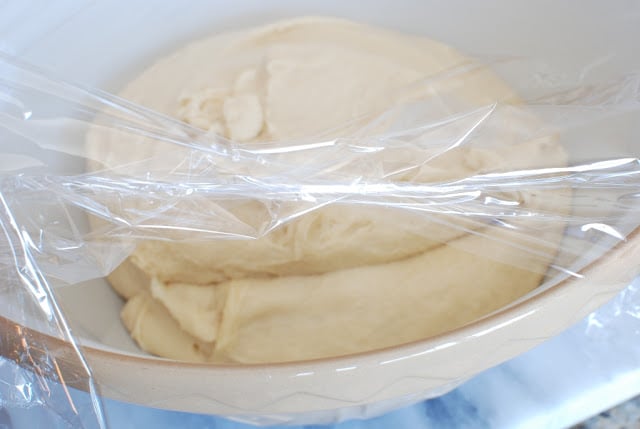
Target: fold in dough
342,278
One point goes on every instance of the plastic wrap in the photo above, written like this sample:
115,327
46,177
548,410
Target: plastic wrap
70,214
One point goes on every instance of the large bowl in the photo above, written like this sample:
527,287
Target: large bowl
60,37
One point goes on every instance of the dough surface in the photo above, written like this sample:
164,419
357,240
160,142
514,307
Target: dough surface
342,278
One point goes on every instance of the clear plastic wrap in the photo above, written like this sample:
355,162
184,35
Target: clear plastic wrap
543,183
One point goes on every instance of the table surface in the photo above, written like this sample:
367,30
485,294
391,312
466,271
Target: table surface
589,368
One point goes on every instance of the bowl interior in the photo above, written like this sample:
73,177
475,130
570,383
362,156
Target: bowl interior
59,36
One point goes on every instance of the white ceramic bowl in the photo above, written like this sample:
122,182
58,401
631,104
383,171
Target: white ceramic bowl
80,42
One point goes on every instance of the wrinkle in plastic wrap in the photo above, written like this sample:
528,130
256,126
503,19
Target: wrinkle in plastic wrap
47,239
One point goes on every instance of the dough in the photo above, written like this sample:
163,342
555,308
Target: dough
343,278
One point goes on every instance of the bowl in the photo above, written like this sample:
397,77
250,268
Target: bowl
65,39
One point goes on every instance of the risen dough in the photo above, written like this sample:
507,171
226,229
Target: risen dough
342,278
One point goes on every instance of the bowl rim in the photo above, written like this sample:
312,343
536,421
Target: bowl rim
69,368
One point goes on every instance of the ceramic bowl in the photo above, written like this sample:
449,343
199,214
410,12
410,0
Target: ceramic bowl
66,38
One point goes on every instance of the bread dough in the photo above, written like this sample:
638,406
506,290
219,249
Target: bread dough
343,278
